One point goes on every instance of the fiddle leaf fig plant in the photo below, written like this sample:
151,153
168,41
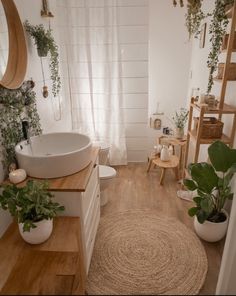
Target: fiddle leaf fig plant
29,204
212,183
45,43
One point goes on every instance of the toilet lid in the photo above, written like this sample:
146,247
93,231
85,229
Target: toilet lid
106,172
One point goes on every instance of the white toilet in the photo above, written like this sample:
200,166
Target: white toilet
106,173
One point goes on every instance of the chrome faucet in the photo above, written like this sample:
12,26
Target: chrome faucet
26,130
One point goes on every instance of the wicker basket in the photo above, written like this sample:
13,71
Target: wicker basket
211,127
231,72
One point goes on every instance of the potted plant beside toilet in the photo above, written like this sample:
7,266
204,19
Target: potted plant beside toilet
33,208
211,182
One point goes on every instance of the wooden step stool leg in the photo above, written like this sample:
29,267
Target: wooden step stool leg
163,171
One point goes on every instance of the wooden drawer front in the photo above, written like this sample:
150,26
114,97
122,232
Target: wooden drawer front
90,190
91,212
91,238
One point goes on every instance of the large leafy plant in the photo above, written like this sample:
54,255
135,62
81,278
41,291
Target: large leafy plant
45,43
29,204
212,183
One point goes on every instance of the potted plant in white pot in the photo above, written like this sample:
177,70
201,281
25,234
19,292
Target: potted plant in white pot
212,184
180,119
33,208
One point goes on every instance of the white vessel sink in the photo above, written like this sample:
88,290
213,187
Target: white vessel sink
54,155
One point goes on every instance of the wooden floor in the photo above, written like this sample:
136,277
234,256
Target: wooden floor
135,189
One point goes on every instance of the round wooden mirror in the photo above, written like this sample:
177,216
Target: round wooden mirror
17,51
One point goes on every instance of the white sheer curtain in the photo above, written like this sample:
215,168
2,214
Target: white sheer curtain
95,74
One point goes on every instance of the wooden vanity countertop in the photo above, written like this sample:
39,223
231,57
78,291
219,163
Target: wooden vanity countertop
72,183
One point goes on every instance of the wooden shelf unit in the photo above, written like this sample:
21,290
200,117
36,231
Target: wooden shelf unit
222,107
195,134
54,267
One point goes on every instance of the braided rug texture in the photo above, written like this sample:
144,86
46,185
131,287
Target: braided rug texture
143,253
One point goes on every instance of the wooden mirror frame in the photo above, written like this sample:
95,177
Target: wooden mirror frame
17,56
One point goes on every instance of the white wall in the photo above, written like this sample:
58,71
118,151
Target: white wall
169,57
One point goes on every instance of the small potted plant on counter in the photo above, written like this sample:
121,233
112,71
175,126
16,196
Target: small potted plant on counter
212,184
180,119
33,208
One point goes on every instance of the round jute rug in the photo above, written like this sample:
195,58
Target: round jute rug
140,252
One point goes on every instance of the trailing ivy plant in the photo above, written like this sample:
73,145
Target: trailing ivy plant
194,17
15,105
45,43
217,31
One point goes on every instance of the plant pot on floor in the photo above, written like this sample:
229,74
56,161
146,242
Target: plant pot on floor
210,231
39,234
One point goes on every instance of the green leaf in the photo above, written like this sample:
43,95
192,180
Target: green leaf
190,184
205,177
206,205
230,174
201,216
221,156
193,211
197,200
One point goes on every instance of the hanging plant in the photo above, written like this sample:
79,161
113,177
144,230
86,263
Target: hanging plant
193,17
45,43
14,106
217,30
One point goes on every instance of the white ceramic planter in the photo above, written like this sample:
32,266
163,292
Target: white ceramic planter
209,231
39,234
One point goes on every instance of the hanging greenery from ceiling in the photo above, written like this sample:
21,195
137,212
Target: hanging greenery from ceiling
15,105
193,17
217,30
45,43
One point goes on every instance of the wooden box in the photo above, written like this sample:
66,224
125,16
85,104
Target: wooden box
231,72
212,128
225,42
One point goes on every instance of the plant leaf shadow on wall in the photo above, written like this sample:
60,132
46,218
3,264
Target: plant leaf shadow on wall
15,105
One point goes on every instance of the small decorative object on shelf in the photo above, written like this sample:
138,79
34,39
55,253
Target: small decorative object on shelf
165,155
180,119
17,176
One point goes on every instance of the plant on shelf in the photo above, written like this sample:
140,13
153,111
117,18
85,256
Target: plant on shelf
217,30
14,106
33,207
45,43
211,182
179,119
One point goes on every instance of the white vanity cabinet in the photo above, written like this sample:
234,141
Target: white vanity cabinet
82,201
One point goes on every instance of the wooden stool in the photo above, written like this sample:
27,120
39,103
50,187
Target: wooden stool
173,163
